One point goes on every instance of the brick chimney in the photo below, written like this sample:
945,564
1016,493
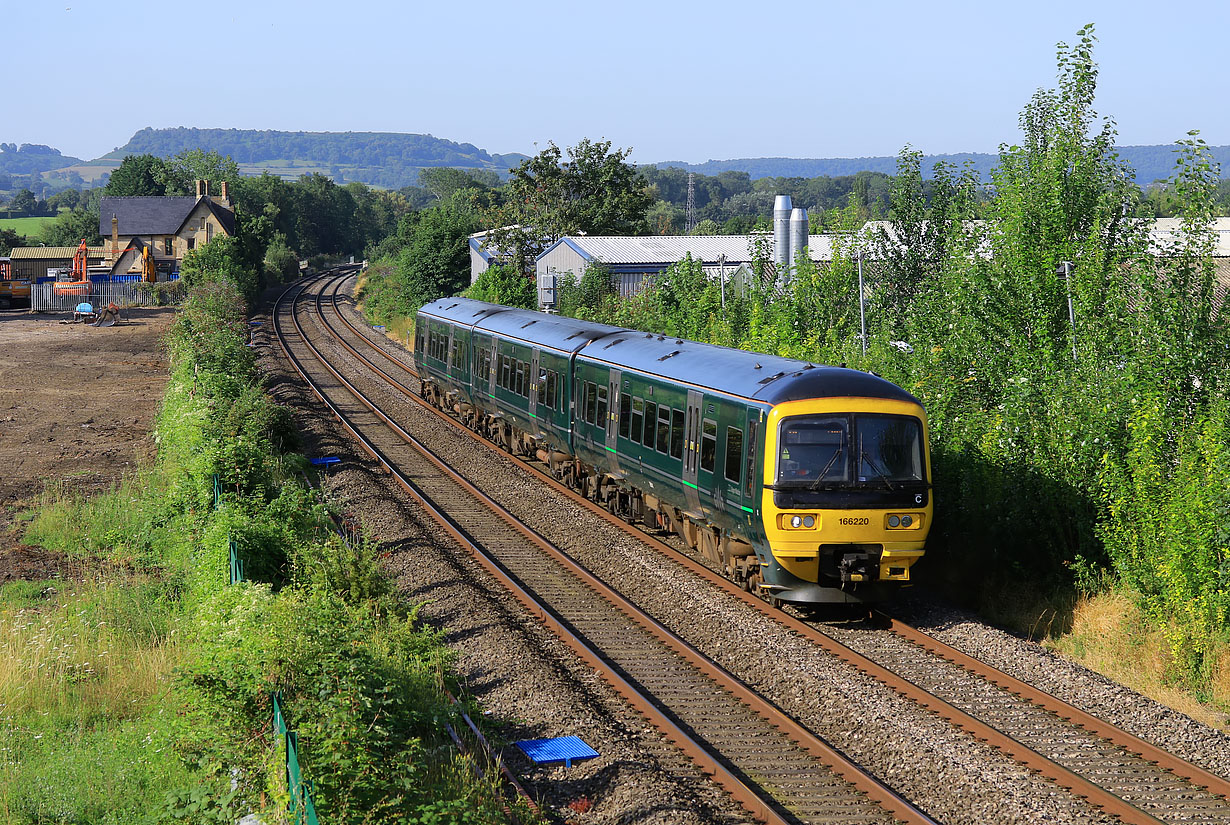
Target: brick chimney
206,188
200,189
226,194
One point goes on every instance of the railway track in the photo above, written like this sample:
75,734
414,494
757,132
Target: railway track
1111,769
779,771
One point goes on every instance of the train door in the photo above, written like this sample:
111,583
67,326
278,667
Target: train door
495,366
613,389
612,415
751,484
536,380
449,352
691,449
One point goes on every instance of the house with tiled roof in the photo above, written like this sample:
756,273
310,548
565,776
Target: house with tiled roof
169,226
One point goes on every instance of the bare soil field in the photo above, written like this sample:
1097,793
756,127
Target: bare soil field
76,407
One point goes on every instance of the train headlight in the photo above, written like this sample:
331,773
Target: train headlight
797,521
903,521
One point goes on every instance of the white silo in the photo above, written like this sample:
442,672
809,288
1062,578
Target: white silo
799,230
781,233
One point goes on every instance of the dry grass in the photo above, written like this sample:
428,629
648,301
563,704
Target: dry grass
98,651
1111,636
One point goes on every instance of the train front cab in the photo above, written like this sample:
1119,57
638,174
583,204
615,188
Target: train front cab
846,502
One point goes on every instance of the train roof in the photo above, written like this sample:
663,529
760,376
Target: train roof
553,331
767,378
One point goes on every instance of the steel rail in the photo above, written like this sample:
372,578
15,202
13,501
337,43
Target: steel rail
752,801
1214,784
1022,753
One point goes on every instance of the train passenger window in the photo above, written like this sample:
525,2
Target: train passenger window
638,418
749,479
505,372
677,433
708,445
664,428
600,415
542,389
591,401
651,423
734,453
551,389
625,414
418,340
523,379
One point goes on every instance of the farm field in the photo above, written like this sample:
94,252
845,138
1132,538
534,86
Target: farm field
25,226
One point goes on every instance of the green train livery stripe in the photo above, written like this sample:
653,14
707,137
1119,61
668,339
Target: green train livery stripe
690,484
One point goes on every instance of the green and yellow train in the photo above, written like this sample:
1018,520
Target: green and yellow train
805,483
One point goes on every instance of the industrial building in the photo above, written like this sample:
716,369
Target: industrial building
634,261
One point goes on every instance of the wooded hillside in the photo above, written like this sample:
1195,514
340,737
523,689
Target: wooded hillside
380,158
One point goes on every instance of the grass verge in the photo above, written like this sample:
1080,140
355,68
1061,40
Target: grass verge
143,693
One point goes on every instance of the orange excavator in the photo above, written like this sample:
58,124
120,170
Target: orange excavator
80,282
148,271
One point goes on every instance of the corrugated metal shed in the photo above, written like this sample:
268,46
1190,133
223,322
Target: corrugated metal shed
25,253
667,249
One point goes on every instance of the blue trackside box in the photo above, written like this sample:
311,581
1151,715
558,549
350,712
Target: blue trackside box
566,749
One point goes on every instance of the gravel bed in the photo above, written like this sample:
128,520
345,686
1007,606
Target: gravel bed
1078,686
528,684
952,776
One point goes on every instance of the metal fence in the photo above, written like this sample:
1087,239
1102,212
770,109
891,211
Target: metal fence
51,297
302,811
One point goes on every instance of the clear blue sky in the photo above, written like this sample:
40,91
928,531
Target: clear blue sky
674,80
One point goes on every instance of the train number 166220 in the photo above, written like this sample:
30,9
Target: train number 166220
854,522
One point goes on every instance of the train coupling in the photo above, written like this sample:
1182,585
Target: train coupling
857,567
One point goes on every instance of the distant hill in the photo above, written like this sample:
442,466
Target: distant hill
1150,162
31,157
388,159
393,159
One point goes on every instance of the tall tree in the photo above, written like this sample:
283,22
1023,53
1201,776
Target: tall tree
594,191
145,175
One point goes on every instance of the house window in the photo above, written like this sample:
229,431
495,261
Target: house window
168,246
203,224
191,244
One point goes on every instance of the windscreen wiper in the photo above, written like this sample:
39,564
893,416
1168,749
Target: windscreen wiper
882,475
815,485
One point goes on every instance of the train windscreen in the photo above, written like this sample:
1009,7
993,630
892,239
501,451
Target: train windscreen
850,450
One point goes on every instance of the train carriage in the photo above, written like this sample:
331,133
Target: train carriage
805,483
